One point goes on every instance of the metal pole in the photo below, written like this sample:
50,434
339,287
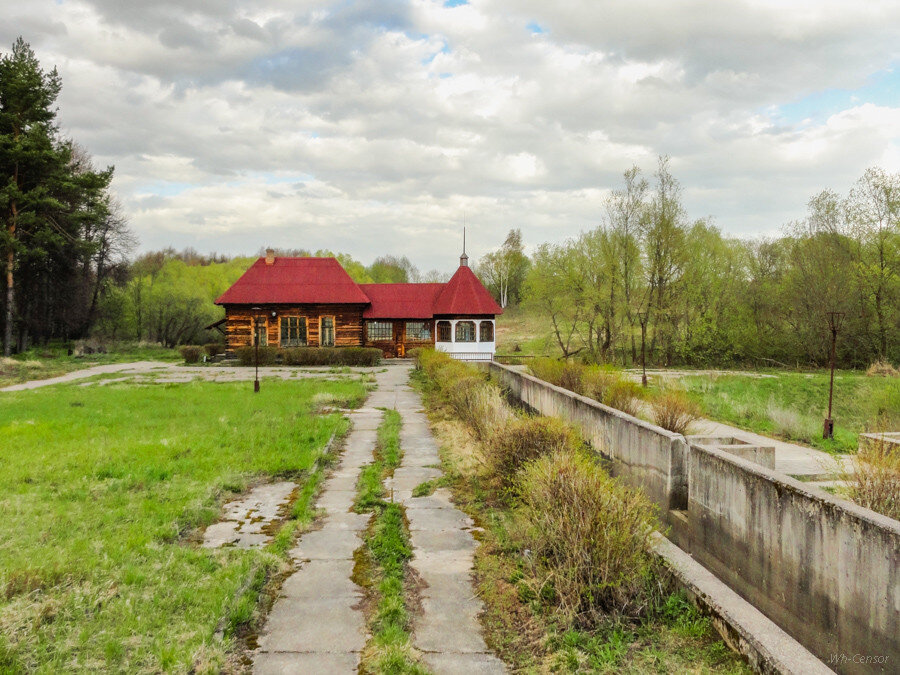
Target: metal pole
643,316
643,355
256,340
834,322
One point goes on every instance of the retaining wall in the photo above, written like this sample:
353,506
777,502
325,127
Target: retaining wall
641,454
826,570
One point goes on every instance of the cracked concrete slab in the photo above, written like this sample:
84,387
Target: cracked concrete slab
244,520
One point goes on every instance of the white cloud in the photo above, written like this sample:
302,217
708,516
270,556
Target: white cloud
377,127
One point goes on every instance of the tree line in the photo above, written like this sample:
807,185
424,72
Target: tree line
709,299
63,238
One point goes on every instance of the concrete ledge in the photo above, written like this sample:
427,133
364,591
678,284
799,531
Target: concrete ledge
642,454
767,648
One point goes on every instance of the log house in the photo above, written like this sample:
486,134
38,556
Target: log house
313,302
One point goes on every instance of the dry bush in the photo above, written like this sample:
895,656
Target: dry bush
214,349
480,405
524,440
475,401
589,536
882,369
674,411
191,354
596,381
623,395
548,370
875,483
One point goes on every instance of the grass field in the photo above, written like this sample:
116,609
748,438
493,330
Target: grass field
793,405
41,363
102,492
522,332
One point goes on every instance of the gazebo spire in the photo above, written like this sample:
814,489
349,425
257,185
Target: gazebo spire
464,259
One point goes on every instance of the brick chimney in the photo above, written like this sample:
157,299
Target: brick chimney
270,256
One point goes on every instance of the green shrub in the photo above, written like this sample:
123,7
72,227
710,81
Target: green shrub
623,395
548,370
565,374
213,348
674,411
359,356
191,353
247,355
525,439
332,356
589,536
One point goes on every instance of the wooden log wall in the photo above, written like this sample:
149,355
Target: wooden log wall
400,343
348,324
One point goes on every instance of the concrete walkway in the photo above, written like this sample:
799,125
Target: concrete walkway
446,631
133,368
163,372
317,624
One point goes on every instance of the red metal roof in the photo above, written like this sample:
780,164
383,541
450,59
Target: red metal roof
294,280
465,294
324,281
401,301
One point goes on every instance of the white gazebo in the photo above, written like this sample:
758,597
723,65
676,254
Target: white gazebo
467,339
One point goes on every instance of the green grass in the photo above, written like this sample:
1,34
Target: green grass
387,552
102,492
793,405
388,543
527,333
370,490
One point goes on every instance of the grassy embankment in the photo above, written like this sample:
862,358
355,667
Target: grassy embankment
792,405
104,492
45,362
567,587
381,564
783,404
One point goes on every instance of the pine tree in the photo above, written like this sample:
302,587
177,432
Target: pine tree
54,209
29,158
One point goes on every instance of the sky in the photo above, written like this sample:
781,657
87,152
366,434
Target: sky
381,127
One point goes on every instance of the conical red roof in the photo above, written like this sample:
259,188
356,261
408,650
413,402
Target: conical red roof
465,294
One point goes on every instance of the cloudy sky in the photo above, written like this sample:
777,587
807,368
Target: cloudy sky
378,126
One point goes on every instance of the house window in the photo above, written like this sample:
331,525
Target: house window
379,330
293,331
260,332
444,331
326,331
418,330
486,332
465,331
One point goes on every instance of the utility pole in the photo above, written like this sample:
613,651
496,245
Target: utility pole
835,319
256,311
